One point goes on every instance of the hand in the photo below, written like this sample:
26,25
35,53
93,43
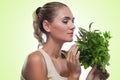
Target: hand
73,61
94,75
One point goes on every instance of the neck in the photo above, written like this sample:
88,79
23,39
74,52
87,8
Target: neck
53,48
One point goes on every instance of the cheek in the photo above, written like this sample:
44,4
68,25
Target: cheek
59,32
59,29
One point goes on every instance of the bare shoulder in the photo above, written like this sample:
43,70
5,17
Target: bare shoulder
35,59
35,65
35,56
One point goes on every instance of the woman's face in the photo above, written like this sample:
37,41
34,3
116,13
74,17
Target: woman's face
62,27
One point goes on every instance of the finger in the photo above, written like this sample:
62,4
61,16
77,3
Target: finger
70,53
75,50
97,77
78,55
73,59
93,70
74,54
104,71
106,74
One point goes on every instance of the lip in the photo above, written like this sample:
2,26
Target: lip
71,33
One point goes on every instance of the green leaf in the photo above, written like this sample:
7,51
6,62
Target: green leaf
90,26
86,66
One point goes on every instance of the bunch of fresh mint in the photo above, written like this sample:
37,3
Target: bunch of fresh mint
93,47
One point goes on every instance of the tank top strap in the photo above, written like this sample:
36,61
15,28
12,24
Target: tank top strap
52,73
48,61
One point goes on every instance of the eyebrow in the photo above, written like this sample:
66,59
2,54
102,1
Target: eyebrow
66,17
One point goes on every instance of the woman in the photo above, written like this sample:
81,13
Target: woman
56,21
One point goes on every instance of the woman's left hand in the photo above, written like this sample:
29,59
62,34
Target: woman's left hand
94,75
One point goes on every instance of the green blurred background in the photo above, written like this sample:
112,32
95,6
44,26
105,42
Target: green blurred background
16,31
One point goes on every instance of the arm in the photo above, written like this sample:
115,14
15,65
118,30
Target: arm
73,63
35,68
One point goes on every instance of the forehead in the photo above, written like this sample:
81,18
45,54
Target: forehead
64,12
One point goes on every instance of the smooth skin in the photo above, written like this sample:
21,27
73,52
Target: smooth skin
58,32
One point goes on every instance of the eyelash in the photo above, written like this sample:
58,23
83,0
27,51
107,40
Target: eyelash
66,21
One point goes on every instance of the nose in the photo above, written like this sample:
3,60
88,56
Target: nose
72,26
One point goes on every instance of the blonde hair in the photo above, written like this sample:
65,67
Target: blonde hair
37,32
47,12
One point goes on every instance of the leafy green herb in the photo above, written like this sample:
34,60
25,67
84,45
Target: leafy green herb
93,47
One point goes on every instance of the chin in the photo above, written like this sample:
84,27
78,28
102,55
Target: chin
70,40
67,40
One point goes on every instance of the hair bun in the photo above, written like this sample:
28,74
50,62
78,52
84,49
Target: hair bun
38,10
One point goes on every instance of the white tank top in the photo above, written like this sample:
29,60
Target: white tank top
52,72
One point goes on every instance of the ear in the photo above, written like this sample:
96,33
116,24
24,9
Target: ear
46,26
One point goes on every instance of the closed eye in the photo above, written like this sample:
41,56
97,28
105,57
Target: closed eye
65,21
